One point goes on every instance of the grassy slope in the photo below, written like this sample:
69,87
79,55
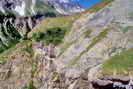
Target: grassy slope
62,22
121,64
66,21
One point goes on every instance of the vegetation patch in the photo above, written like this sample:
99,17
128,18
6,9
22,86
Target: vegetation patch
121,64
50,36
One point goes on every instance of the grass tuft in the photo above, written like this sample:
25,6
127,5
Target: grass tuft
121,64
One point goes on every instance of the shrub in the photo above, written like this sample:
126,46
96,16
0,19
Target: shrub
52,35
38,36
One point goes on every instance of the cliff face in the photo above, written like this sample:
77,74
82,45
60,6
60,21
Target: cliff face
66,6
89,50
32,7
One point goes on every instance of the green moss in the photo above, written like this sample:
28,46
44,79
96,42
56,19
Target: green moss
121,64
93,43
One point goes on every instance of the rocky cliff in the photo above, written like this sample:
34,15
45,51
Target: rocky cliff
88,50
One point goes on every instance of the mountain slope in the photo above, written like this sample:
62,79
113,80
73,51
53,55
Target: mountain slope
18,17
69,52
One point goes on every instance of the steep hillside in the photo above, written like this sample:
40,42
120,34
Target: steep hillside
89,50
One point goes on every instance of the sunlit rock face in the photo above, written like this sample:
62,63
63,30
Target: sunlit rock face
66,6
23,7
30,7
19,7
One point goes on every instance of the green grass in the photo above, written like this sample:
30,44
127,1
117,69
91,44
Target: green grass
95,40
121,64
